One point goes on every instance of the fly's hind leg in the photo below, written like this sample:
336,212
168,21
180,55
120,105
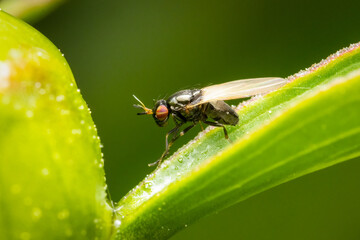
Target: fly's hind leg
215,124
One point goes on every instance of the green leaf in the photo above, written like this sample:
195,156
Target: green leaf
30,11
51,175
307,125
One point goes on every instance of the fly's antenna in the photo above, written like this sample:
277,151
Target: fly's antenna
142,106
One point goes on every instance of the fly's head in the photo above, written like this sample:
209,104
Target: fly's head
160,112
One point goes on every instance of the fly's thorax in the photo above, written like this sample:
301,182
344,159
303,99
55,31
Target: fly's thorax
221,112
182,98
178,104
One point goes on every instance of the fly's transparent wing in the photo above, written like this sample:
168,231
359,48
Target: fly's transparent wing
238,89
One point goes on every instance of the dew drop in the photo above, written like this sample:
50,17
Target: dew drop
117,223
36,212
4,75
81,107
42,91
63,214
17,106
6,100
64,112
45,171
29,114
76,131
60,98
37,84
56,155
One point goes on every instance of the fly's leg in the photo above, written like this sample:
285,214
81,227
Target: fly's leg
180,134
175,137
202,127
174,130
215,124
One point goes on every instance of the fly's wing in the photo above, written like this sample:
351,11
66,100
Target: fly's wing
238,89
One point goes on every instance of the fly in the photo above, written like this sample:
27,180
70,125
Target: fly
205,105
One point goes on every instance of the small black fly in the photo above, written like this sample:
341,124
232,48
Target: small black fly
205,105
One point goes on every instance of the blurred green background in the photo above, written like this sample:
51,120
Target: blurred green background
155,48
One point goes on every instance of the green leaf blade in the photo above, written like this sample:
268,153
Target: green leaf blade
309,124
30,11
51,174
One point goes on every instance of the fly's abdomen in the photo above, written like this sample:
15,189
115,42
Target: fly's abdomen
221,112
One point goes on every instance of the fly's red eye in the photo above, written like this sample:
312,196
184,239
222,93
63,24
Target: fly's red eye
162,112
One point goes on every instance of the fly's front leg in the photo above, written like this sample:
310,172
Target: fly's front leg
175,131
167,146
215,124
175,137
